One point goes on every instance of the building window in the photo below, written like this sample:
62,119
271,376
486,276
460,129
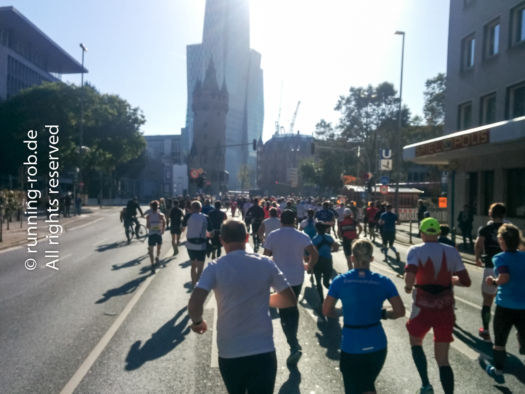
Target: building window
488,109
492,38
468,50
487,179
517,32
516,101
516,192
465,116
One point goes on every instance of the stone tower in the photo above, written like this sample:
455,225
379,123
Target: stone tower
207,154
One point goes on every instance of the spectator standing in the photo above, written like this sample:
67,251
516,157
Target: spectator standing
421,209
465,219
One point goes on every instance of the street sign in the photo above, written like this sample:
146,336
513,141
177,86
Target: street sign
386,154
442,202
383,189
386,164
194,173
385,180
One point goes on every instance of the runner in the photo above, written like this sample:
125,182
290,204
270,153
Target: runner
509,268
485,248
156,224
197,226
255,216
270,224
176,216
326,216
325,245
433,268
349,230
287,246
388,221
364,344
308,224
216,217
241,282
370,216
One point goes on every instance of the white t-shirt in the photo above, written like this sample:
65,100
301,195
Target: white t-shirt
155,222
241,282
287,246
271,224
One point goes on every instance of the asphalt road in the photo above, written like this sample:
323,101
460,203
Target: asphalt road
103,324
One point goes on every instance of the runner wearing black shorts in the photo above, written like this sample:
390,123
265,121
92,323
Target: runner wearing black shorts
176,216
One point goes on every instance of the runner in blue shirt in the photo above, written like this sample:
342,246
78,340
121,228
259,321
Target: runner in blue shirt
325,244
509,268
362,292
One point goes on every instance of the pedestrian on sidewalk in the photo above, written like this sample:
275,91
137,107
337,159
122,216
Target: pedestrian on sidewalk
362,293
465,219
509,271
241,282
287,246
421,209
431,271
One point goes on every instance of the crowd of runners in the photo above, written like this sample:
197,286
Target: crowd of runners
298,236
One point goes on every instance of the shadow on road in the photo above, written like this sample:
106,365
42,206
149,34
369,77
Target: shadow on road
513,366
185,264
329,337
163,341
126,288
472,341
104,247
291,386
128,264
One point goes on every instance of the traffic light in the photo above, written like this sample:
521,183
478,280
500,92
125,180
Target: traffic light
254,142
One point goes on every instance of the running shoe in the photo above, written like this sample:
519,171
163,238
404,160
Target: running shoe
428,389
485,335
294,357
494,373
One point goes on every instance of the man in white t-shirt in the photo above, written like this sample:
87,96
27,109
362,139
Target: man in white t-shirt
241,282
287,246
196,224
269,225
156,224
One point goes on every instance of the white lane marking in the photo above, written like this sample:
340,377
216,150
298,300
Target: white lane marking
84,225
214,361
104,341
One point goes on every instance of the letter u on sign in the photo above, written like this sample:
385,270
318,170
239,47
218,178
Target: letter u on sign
386,153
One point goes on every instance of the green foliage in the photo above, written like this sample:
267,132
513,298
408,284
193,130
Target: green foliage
434,108
111,128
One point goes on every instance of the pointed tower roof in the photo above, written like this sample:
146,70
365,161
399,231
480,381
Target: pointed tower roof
210,80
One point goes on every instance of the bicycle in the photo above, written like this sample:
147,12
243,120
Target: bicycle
130,228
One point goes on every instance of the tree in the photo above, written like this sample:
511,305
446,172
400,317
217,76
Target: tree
111,129
434,108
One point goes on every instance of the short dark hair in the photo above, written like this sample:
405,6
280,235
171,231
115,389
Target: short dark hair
233,230
288,217
511,235
217,204
320,228
445,229
273,212
497,210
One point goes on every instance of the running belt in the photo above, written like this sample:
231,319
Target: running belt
363,326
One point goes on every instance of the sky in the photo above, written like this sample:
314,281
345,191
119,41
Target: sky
312,51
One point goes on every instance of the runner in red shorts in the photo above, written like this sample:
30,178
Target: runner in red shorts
432,269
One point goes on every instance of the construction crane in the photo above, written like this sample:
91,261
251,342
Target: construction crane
292,123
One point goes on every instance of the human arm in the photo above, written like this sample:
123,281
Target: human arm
499,280
478,249
359,228
313,255
329,309
147,222
410,278
163,225
461,278
398,308
283,299
195,309
260,231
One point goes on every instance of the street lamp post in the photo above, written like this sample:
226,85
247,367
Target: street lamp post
398,139
81,125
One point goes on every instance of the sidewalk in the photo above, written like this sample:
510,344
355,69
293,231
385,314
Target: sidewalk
403,236
17,235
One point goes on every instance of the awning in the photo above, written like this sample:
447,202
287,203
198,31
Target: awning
505,136
391,189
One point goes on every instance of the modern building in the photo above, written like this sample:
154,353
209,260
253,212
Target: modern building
161,176
226,42
206,161
28,56
279,161
484,142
